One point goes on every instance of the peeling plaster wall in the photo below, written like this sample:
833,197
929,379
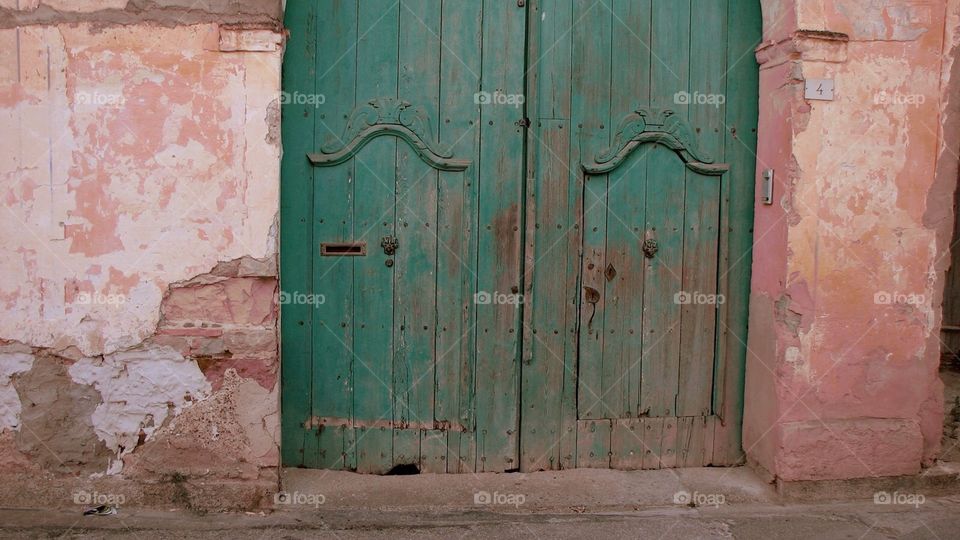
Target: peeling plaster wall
849,261
139,178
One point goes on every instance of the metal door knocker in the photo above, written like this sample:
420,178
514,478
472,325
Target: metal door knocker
650,247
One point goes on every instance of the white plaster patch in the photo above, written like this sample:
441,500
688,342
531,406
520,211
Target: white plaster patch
10,365
259,416
140,389
793,357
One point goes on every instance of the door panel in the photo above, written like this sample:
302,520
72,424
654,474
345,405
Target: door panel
645,177
619,213
398,166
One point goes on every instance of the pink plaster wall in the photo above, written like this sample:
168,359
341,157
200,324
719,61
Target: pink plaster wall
139,177
841,382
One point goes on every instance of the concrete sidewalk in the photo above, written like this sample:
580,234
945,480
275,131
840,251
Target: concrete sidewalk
690,503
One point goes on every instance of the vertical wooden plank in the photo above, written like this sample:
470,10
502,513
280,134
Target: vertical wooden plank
433,451
416,187
740,144
406,446
549,358
296,236
501,184
661,315
563,101
627,450
591,109
374,449
549,410
653,430
668,443
693,437
453,451
664,215
622,353
698,308
698,316
709,434
685,434
333,352
593,444
457,221
374,214
336,446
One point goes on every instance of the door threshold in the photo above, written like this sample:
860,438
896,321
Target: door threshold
595,489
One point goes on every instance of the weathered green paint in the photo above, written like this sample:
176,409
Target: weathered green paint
601,366
501,176
296,209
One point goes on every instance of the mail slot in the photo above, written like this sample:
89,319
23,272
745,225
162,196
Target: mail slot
343,249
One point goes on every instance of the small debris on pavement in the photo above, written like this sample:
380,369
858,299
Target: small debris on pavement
102,510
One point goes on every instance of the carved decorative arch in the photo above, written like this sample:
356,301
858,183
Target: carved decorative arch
660,126
388,116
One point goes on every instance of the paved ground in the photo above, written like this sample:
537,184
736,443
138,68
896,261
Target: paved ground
694,503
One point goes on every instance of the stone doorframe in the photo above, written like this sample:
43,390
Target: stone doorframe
850,258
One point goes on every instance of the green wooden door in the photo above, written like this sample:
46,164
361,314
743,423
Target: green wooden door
643,140
389,174
416,206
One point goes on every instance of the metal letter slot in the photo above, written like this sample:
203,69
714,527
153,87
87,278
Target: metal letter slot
343,249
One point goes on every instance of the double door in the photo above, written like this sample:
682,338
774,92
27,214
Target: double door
524,227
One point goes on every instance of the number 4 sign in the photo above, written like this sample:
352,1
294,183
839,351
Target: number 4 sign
821,89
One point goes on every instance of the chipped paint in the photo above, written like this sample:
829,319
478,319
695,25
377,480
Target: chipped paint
11,363
140,389
843,376
142,151
143,181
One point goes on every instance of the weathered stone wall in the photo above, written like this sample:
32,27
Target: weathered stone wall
849,260
139,177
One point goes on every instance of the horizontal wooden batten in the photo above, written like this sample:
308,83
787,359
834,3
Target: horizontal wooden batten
318,421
